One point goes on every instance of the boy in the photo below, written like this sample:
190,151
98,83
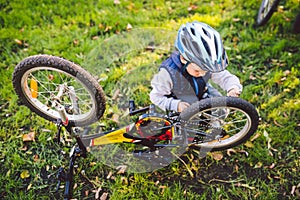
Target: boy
183,77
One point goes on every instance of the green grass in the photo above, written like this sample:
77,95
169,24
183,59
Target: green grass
266,59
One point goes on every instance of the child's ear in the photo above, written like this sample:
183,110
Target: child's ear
183,61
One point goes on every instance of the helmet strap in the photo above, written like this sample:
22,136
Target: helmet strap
185,66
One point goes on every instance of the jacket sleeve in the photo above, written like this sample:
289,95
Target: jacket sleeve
226,80
161,87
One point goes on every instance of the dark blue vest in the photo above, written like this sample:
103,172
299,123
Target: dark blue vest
185,86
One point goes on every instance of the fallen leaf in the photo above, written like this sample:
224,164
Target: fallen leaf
124,180
25,174
249,144
255,137
104,196
236,168
229,151
272,166
236,19
98,193
29,186
108,28
243,151
128,27
75,42
117,2
19,42
35,158
109,175
29,137
24,148
217,156
258,165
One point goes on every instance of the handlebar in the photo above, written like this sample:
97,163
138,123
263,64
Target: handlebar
132,107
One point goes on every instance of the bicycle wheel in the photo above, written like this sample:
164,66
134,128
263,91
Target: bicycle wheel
267,8
219,123
37,80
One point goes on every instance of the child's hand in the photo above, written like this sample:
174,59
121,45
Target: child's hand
234,92
182,106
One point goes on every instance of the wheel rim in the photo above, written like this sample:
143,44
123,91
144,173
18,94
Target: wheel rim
265,9
48,80
230,127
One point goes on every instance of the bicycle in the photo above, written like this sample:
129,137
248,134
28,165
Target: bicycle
266,10
63,92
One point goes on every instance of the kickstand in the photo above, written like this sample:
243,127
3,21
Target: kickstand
79,150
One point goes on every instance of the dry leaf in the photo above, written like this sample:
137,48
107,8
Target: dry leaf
25,174
255,137
29,186
24,148
128,27
75,42
117,2
249,144
108,28
243,151
236,19
109,175
229,151
98,193
29,137
217,156
124,180
19,42
104,196
272,166
258,165
35,158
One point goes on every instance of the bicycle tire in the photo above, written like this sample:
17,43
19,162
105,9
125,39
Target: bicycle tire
45,67
236,107
266,10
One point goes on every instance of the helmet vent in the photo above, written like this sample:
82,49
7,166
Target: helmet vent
193,31
216,46
206,46
223,55
206,33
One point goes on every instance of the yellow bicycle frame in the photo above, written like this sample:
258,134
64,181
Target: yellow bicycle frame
116,136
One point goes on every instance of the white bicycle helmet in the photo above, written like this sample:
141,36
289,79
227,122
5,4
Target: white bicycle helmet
199,43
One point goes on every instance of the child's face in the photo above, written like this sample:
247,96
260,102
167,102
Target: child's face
195,70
